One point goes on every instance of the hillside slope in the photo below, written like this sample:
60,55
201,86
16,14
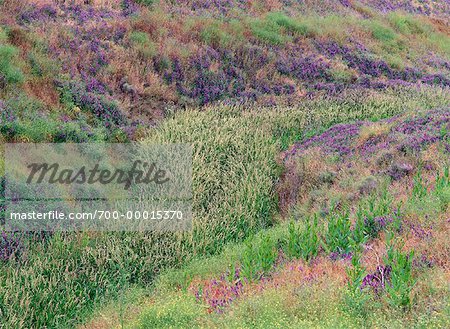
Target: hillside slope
130,63
320,142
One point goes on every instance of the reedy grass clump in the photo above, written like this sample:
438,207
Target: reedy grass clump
258,257
268,31
290,24
303,242
429,199
400,281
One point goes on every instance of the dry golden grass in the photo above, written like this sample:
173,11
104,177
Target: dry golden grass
375,130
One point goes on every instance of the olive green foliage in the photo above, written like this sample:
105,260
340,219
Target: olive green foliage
10,72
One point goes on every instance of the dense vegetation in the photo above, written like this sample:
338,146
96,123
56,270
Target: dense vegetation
320,165
363,244
69,68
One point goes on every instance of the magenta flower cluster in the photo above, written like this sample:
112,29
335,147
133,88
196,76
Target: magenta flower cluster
220,293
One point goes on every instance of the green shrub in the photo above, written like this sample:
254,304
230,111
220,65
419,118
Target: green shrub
10,73
258,257
401,281
268,31
338,233
289,24
381,32
139,37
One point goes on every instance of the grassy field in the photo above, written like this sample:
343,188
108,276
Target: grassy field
320,161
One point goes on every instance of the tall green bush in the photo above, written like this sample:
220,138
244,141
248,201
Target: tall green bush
8,70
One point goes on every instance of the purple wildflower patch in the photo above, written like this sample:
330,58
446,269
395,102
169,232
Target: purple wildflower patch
219,293
411,135
6,113
345,256
303,68
10,245
35,13
129,8
422,131
338,139
83,14
101,106
377,280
